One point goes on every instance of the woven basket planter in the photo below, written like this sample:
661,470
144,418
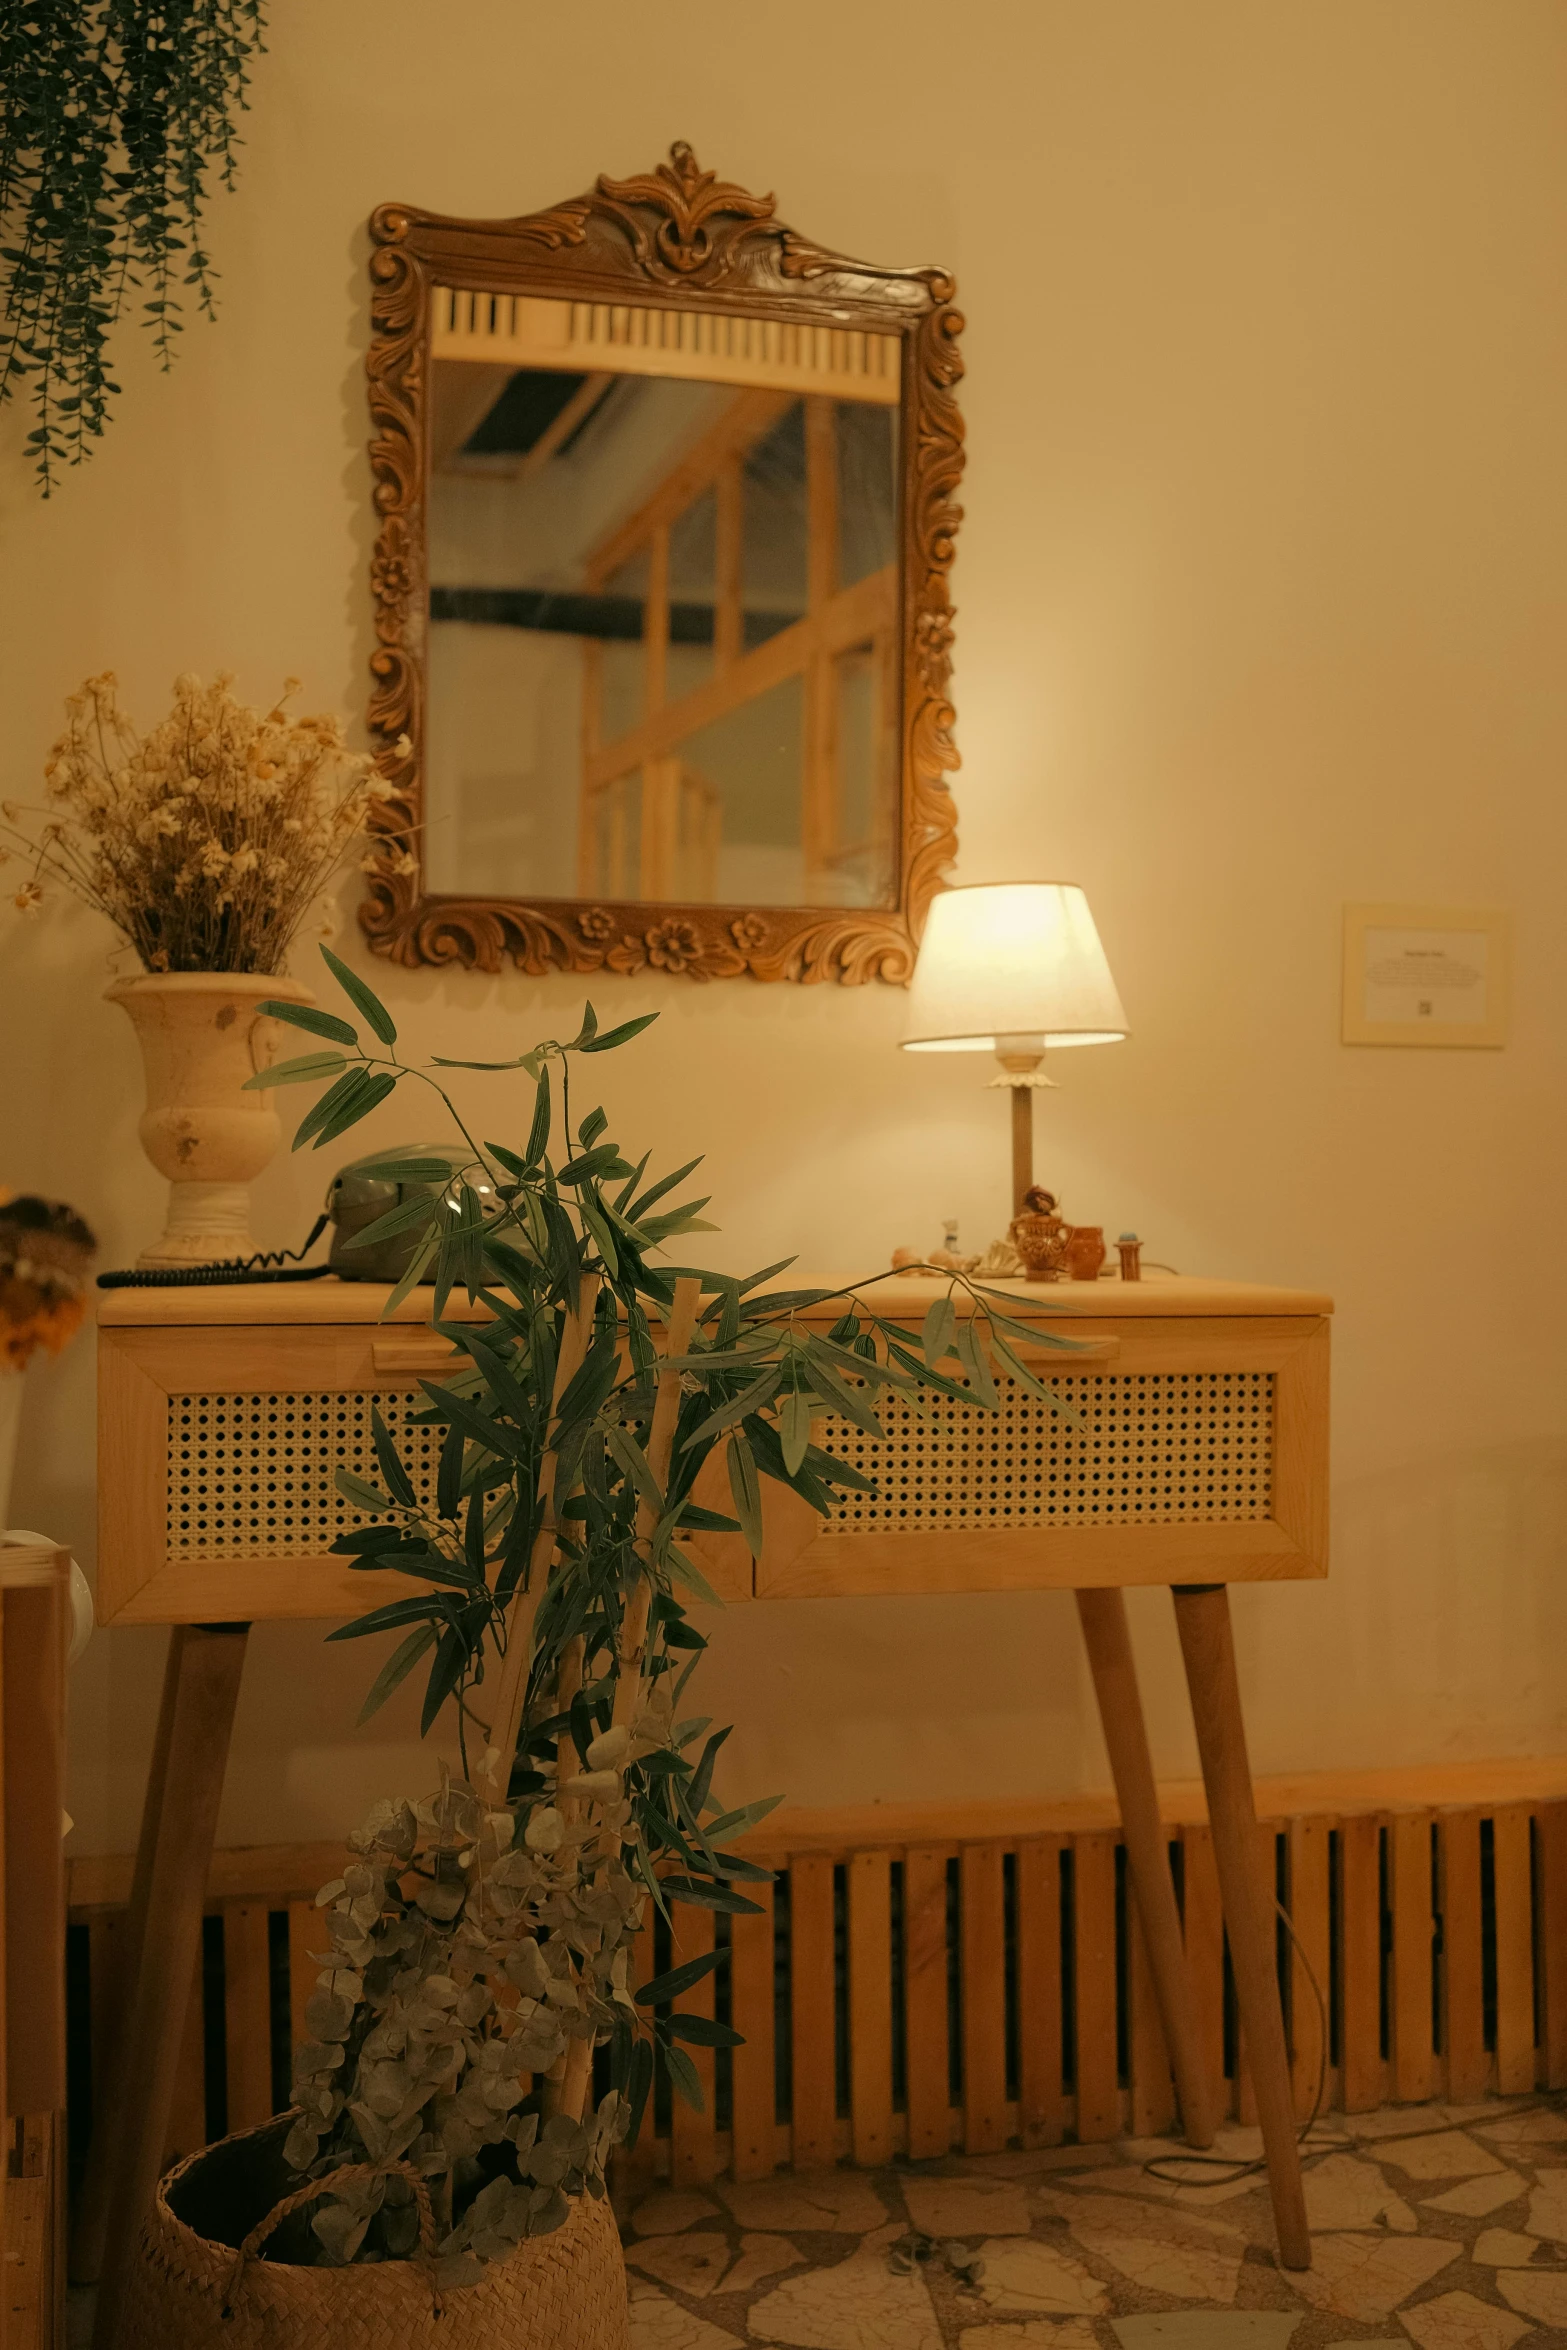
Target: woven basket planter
565,2291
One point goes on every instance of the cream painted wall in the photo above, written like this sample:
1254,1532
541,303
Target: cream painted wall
1262,592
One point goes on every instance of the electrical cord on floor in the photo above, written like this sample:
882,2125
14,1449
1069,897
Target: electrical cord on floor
1232,2168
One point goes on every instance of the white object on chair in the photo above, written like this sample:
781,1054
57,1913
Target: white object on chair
84,1621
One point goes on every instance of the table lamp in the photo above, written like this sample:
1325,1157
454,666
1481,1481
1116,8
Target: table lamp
1013,968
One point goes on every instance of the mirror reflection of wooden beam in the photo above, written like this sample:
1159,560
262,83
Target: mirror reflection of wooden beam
464,394
605,619
846,619
819,826
526,330
577,410
460,400
747,419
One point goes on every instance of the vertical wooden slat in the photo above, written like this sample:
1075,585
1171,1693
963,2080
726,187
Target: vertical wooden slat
1414,1931
247,2013
1042,2103
1360,1928
819,796
1153,2088
812,2011
108,1946
655,622
32,1914
1267,1870
1515,2065
728,558
29,2306
821,492
1465,2062
1311,1948
306,1934
1551,1827
925,2000
755,2089
984,1989
693,2158
870,2006
1094,1957
1202,1922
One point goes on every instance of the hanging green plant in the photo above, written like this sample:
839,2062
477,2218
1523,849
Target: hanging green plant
113,113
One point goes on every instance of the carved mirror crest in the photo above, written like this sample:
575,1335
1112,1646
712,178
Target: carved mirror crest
663,630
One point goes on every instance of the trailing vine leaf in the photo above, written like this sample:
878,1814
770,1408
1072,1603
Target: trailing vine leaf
116,115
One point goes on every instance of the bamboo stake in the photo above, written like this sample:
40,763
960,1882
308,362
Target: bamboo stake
506,1726
660,1447
631,1648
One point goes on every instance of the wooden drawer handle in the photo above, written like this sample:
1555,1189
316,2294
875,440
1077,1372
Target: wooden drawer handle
413,1354
1084,1350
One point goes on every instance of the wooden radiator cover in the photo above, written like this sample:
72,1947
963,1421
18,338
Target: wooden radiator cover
925,1989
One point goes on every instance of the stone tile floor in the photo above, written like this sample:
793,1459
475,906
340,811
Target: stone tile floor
1441,2226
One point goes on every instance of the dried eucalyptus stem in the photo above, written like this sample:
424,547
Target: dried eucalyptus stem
206,841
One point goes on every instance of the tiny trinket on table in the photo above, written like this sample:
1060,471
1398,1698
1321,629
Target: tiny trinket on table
1041,1237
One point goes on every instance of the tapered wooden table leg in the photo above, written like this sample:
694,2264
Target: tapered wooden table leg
92,2209
1202,1615
1105,1634
205,1664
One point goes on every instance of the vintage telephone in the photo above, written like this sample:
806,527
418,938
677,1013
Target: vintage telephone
354,1200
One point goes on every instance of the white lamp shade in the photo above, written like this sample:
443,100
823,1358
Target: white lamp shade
1011,964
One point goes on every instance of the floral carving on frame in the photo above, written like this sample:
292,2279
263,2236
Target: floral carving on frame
682,237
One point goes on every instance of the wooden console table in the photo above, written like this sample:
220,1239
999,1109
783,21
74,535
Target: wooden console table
1199,1459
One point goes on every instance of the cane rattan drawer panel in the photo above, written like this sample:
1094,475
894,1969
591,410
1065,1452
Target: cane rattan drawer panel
1197,1452
255,1476
1157,1449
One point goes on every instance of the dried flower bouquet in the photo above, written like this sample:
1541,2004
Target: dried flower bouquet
476,2020
204,842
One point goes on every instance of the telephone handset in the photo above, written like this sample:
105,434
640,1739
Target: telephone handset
354,1200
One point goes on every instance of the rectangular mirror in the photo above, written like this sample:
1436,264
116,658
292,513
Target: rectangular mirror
665,664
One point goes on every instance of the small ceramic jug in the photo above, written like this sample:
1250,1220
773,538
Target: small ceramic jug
1040,1237
1085,1252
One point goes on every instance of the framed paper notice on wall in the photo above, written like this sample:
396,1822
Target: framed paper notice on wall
1433,975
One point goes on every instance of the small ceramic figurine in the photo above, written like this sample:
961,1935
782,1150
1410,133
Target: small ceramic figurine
1085,1252
939,1261
1040,1236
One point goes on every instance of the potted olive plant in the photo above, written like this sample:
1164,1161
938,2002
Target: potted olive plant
477,2041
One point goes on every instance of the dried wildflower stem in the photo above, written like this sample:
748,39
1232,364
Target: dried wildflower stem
204,842
506,1727
632,1645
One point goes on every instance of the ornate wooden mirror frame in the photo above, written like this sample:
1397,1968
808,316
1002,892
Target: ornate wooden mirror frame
676,238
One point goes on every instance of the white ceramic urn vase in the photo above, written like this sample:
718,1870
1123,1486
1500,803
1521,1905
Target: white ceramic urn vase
200,1040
